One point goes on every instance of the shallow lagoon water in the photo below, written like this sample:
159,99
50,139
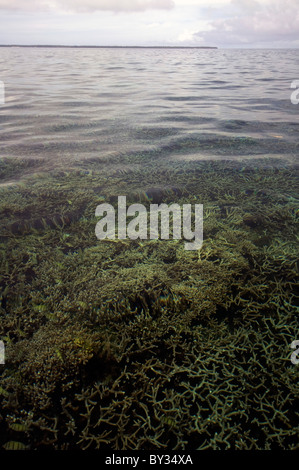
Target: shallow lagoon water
139,344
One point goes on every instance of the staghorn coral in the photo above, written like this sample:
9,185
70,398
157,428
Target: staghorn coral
140,344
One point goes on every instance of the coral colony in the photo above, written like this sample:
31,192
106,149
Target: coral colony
138,343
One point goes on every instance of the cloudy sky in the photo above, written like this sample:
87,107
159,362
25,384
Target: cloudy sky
222,23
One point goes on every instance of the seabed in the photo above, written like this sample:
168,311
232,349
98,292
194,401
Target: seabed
141,344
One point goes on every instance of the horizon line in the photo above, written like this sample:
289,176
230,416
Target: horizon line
111,47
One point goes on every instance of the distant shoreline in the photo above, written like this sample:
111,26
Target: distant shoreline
110,47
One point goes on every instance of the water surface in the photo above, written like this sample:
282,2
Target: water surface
64,105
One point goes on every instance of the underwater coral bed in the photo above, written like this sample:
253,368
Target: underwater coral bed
140,344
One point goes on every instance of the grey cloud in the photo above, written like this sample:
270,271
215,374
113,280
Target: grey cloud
87,6
21,5
255,22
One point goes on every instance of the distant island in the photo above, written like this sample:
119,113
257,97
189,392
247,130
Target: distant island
110,47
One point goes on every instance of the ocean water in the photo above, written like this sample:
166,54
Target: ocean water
65,105
140,344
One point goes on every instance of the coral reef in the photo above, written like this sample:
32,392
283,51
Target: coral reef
139,344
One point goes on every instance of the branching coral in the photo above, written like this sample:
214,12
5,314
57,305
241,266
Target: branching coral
139,344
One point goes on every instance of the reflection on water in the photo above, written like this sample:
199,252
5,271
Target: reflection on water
64,105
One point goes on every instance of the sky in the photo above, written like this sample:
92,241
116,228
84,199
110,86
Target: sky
221,23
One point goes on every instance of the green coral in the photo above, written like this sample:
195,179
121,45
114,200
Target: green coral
140,344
